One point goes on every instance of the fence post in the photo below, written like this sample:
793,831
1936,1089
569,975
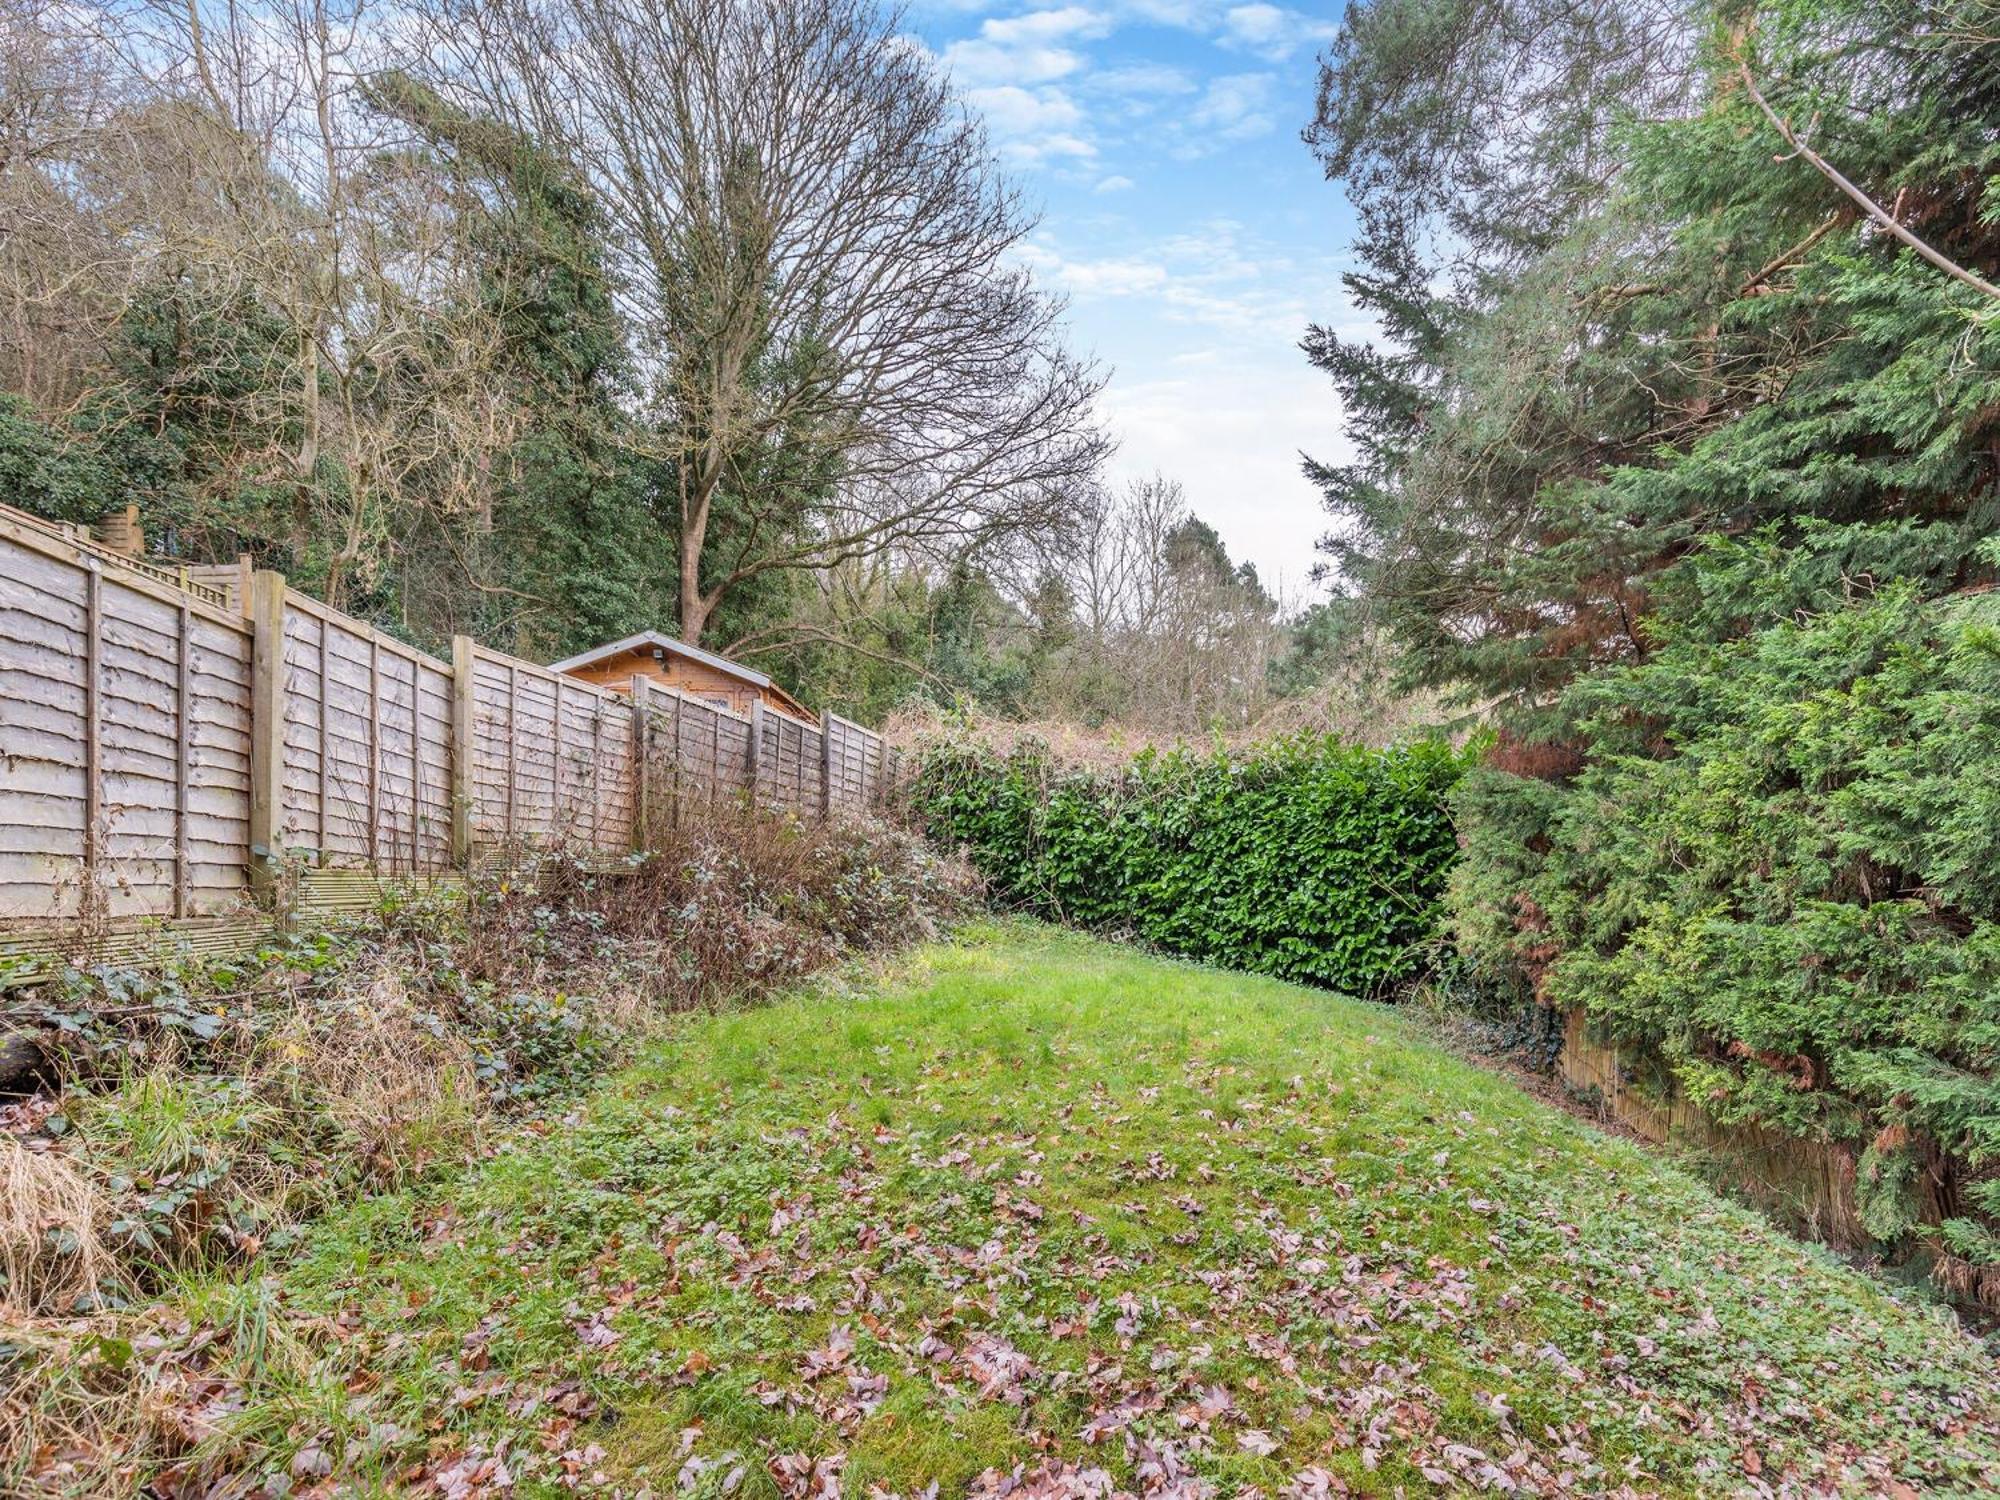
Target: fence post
183,755
642,770
375,839
825,764
93,734
461,751
267,732
756,748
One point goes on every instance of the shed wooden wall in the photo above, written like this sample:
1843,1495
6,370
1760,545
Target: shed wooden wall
678,673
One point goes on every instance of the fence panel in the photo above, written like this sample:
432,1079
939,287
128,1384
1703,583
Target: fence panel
218,758
695,752
138,751
45,717
551,760
850,763
134,709
124,739
366,749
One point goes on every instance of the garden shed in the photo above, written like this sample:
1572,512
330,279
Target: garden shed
702,675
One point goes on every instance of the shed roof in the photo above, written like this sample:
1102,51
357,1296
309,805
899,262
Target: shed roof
646,639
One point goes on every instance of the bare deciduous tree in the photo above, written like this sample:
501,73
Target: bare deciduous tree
815,253
1170,634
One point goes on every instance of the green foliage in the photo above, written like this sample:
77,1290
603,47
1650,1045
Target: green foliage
1180,1196
1309,859
1779,869
573,549
1688,470
1649,330
39,472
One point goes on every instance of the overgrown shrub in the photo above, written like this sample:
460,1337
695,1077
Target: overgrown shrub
1306,858
210,1106
1779,872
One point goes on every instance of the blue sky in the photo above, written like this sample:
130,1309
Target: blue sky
1189,226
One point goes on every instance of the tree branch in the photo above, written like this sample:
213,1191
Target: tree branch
1868,205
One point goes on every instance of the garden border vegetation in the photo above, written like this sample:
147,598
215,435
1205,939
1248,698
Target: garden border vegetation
1774,880
199,1113
1307,858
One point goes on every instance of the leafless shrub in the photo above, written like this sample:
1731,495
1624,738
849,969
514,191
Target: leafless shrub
729,903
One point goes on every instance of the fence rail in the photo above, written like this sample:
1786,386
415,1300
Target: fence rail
185,747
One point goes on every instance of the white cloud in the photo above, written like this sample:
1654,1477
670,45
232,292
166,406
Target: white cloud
1023,49
978,61
1142,79
1113,184
1018,111
1242,295
1007,72
1046,25
1112,276
1234,107
1033,126
1272,32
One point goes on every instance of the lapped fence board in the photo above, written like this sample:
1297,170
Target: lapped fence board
160,746
123,737
367,746
550,759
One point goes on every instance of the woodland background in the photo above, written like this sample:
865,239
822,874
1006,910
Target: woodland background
552,323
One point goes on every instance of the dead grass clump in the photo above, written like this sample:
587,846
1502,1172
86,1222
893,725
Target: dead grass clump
400,1093
1968,1283
52,1253
123,1404
68,1424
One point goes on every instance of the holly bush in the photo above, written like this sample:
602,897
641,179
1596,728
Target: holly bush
1308,858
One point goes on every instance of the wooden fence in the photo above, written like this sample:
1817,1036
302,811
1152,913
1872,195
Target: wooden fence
175,743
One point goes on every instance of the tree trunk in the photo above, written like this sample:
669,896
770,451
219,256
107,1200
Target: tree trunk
695,511
694,610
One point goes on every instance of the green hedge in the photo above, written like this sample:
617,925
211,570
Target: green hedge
1778,873
1308,859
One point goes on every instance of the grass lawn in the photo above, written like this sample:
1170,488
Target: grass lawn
1034,1203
